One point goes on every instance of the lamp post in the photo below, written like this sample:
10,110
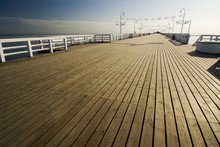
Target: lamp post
189,26
173,19
141,27
145,29
169,28
183,18
135,21
122,14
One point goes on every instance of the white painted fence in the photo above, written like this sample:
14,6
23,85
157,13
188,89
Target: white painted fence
29,46
110,37
208,44
16,46
184,38
102,38
207,38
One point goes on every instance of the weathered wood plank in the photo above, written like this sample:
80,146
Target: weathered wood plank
136,92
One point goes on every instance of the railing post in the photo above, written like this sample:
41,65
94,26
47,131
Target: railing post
51,46
210,38
41,42
84,39
30,49
71,40
110,40
2,53
90,39
65,44
201,37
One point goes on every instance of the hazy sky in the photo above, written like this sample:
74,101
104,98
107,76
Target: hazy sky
100,16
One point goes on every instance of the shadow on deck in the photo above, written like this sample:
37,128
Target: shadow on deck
203,55
136,44
176,43
215,68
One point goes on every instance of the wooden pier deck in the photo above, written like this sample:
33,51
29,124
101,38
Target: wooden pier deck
137,92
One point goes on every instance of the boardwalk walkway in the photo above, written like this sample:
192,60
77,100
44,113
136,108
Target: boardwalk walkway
136,92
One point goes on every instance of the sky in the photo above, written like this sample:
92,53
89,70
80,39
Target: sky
101,16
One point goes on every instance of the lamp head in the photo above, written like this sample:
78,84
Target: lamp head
182,10
122,14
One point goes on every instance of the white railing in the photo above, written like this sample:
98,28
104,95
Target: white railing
212,38
116,37
183,38
207,38
29,46
102,38
16,46
110,37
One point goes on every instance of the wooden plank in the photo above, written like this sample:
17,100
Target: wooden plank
181,123
81,125
121,94
26,108
159,130
113,121
212,81
134,92
137,73
99,132
202,88
137,85
136,129
198,113
148,125
204,109
86,133
103,93
205,60
109,136
129,65
171,131
95,88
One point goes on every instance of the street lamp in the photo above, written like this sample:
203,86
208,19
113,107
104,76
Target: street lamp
173,19
183,18
122,14
135,21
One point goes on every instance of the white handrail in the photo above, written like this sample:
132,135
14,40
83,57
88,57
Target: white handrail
15,53
2,53
208,38
15,47
30,45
